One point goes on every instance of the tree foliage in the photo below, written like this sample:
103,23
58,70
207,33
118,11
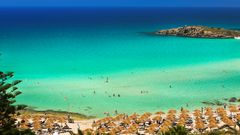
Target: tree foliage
8,109
177,130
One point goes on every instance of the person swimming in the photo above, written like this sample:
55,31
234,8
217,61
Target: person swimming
107,80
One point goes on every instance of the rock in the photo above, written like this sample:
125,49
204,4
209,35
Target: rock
233,99
200,32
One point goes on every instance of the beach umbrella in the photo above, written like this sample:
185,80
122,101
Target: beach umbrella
135,125
167,122
49,125
157,118
125,132
95,125
109,118
229,122
99,121
126,121
184,116
171,117
135,115
120,128
36,126
199,125
24,126
102,130
111,133
184,111
159,113
208,109
141,120
197,114
119,117
238,117
197,110
213,120
233,108
114,130
181,123
61,120
104,121
154,125
220,109
147,114
111,124
172,111
28,116
50,120
132,130
24,118
212,125
36,117
150,131
144,117
182,120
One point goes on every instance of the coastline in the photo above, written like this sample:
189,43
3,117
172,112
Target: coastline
74,115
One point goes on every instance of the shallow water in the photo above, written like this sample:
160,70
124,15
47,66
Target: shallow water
67,54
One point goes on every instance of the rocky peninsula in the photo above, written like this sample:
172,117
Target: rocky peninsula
200,32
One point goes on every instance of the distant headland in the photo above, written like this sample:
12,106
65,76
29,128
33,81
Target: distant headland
200,32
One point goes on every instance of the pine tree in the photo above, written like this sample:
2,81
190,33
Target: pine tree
8,108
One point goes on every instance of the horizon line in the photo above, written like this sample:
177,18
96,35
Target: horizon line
119,6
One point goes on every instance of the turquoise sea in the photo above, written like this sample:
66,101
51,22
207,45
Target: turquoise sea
78,59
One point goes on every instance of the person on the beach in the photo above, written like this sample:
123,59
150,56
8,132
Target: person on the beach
225,106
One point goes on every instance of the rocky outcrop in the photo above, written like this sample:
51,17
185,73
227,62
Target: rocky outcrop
200,32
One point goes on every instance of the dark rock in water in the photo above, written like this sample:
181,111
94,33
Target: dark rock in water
218,103
200,32
208,103
233,99
215,102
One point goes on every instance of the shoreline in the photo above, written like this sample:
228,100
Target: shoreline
74,115
213,103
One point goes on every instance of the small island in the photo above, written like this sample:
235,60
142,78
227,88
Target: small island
200,32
